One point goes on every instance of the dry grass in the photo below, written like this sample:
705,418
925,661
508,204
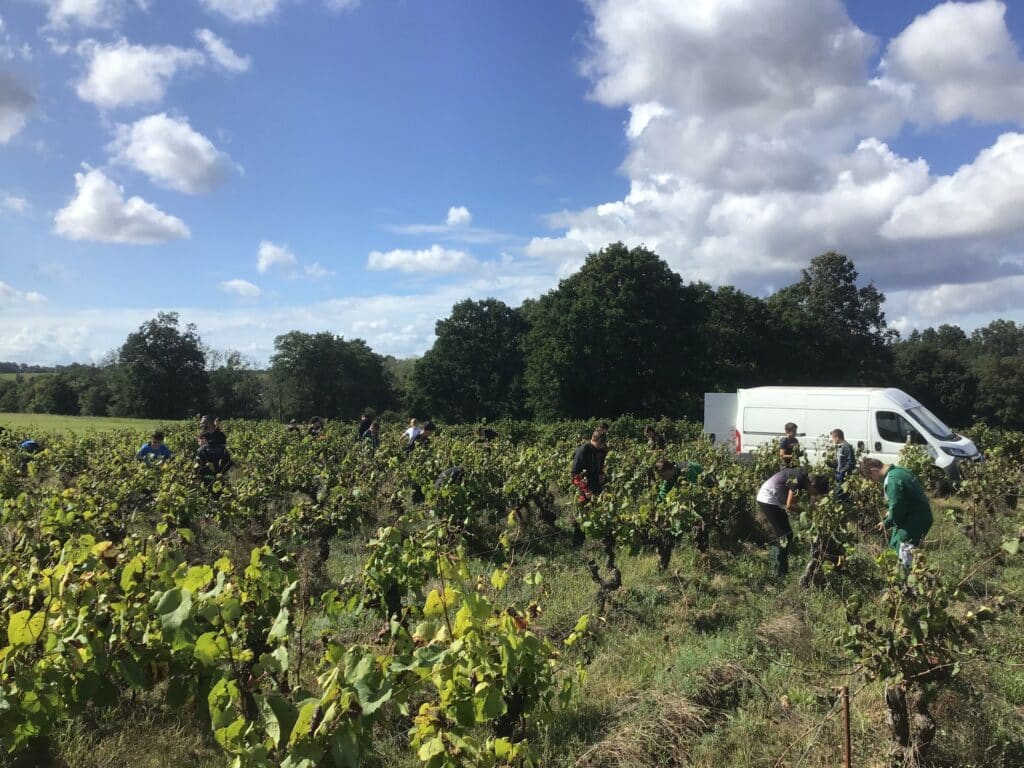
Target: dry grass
787,632
656,728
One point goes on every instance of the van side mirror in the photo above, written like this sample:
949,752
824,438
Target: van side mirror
914,438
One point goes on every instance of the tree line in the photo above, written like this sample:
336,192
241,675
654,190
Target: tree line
623,335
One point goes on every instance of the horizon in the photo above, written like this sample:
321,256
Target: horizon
261,166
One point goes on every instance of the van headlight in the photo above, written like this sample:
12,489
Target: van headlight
961,453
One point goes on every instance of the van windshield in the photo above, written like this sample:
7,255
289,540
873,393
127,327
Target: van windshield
932,423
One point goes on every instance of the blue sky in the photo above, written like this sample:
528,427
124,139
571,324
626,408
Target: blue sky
263,165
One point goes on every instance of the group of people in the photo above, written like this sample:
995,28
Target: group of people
909,511
212,456
909,515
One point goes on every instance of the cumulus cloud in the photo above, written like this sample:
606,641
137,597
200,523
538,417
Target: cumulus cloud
958,60
172,154
433,260
221,52
458,216
982,198
15,203
242,288
10,296
271,255
122,74
100,212
243,11
750,153
16,104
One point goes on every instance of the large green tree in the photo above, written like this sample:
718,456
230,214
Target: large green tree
474,369
741,342
235,387
830,331
320,374
161,371
622,335
934,366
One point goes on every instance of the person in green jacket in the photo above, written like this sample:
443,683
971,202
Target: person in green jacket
670,473
910,512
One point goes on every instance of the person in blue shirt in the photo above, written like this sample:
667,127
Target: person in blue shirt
30,446
154,451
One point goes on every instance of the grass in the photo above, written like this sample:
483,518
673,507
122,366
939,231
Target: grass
36,424
15,376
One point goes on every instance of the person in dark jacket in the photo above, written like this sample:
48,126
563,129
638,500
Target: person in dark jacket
588,466
775,498
371,437
910,512
214,434
789,446
316,427
844,460
654,440
451,476
364,424
212,459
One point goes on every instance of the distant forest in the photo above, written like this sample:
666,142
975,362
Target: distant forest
623,335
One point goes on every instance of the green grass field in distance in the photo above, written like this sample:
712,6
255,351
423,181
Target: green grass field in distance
51,424
9,376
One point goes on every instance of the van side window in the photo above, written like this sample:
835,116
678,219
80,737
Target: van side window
892,427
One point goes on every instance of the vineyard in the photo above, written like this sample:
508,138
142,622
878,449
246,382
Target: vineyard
322,604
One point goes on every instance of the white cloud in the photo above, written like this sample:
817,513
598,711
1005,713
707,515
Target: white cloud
942,303
315,271
10,296
222,53
15,203
243,11
103,14
982,198
750,153
456,228
458,216
271,255
122,74
958,60
641,115
433,260
16,103
242,288
172,154
100,212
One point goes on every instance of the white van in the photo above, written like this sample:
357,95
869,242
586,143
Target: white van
881,421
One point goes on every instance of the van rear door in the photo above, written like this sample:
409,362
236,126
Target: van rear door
720,416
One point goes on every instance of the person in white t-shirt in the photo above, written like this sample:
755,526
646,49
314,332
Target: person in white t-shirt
412,432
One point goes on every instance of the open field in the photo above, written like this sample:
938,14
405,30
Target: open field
50,424
711,661
13,376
